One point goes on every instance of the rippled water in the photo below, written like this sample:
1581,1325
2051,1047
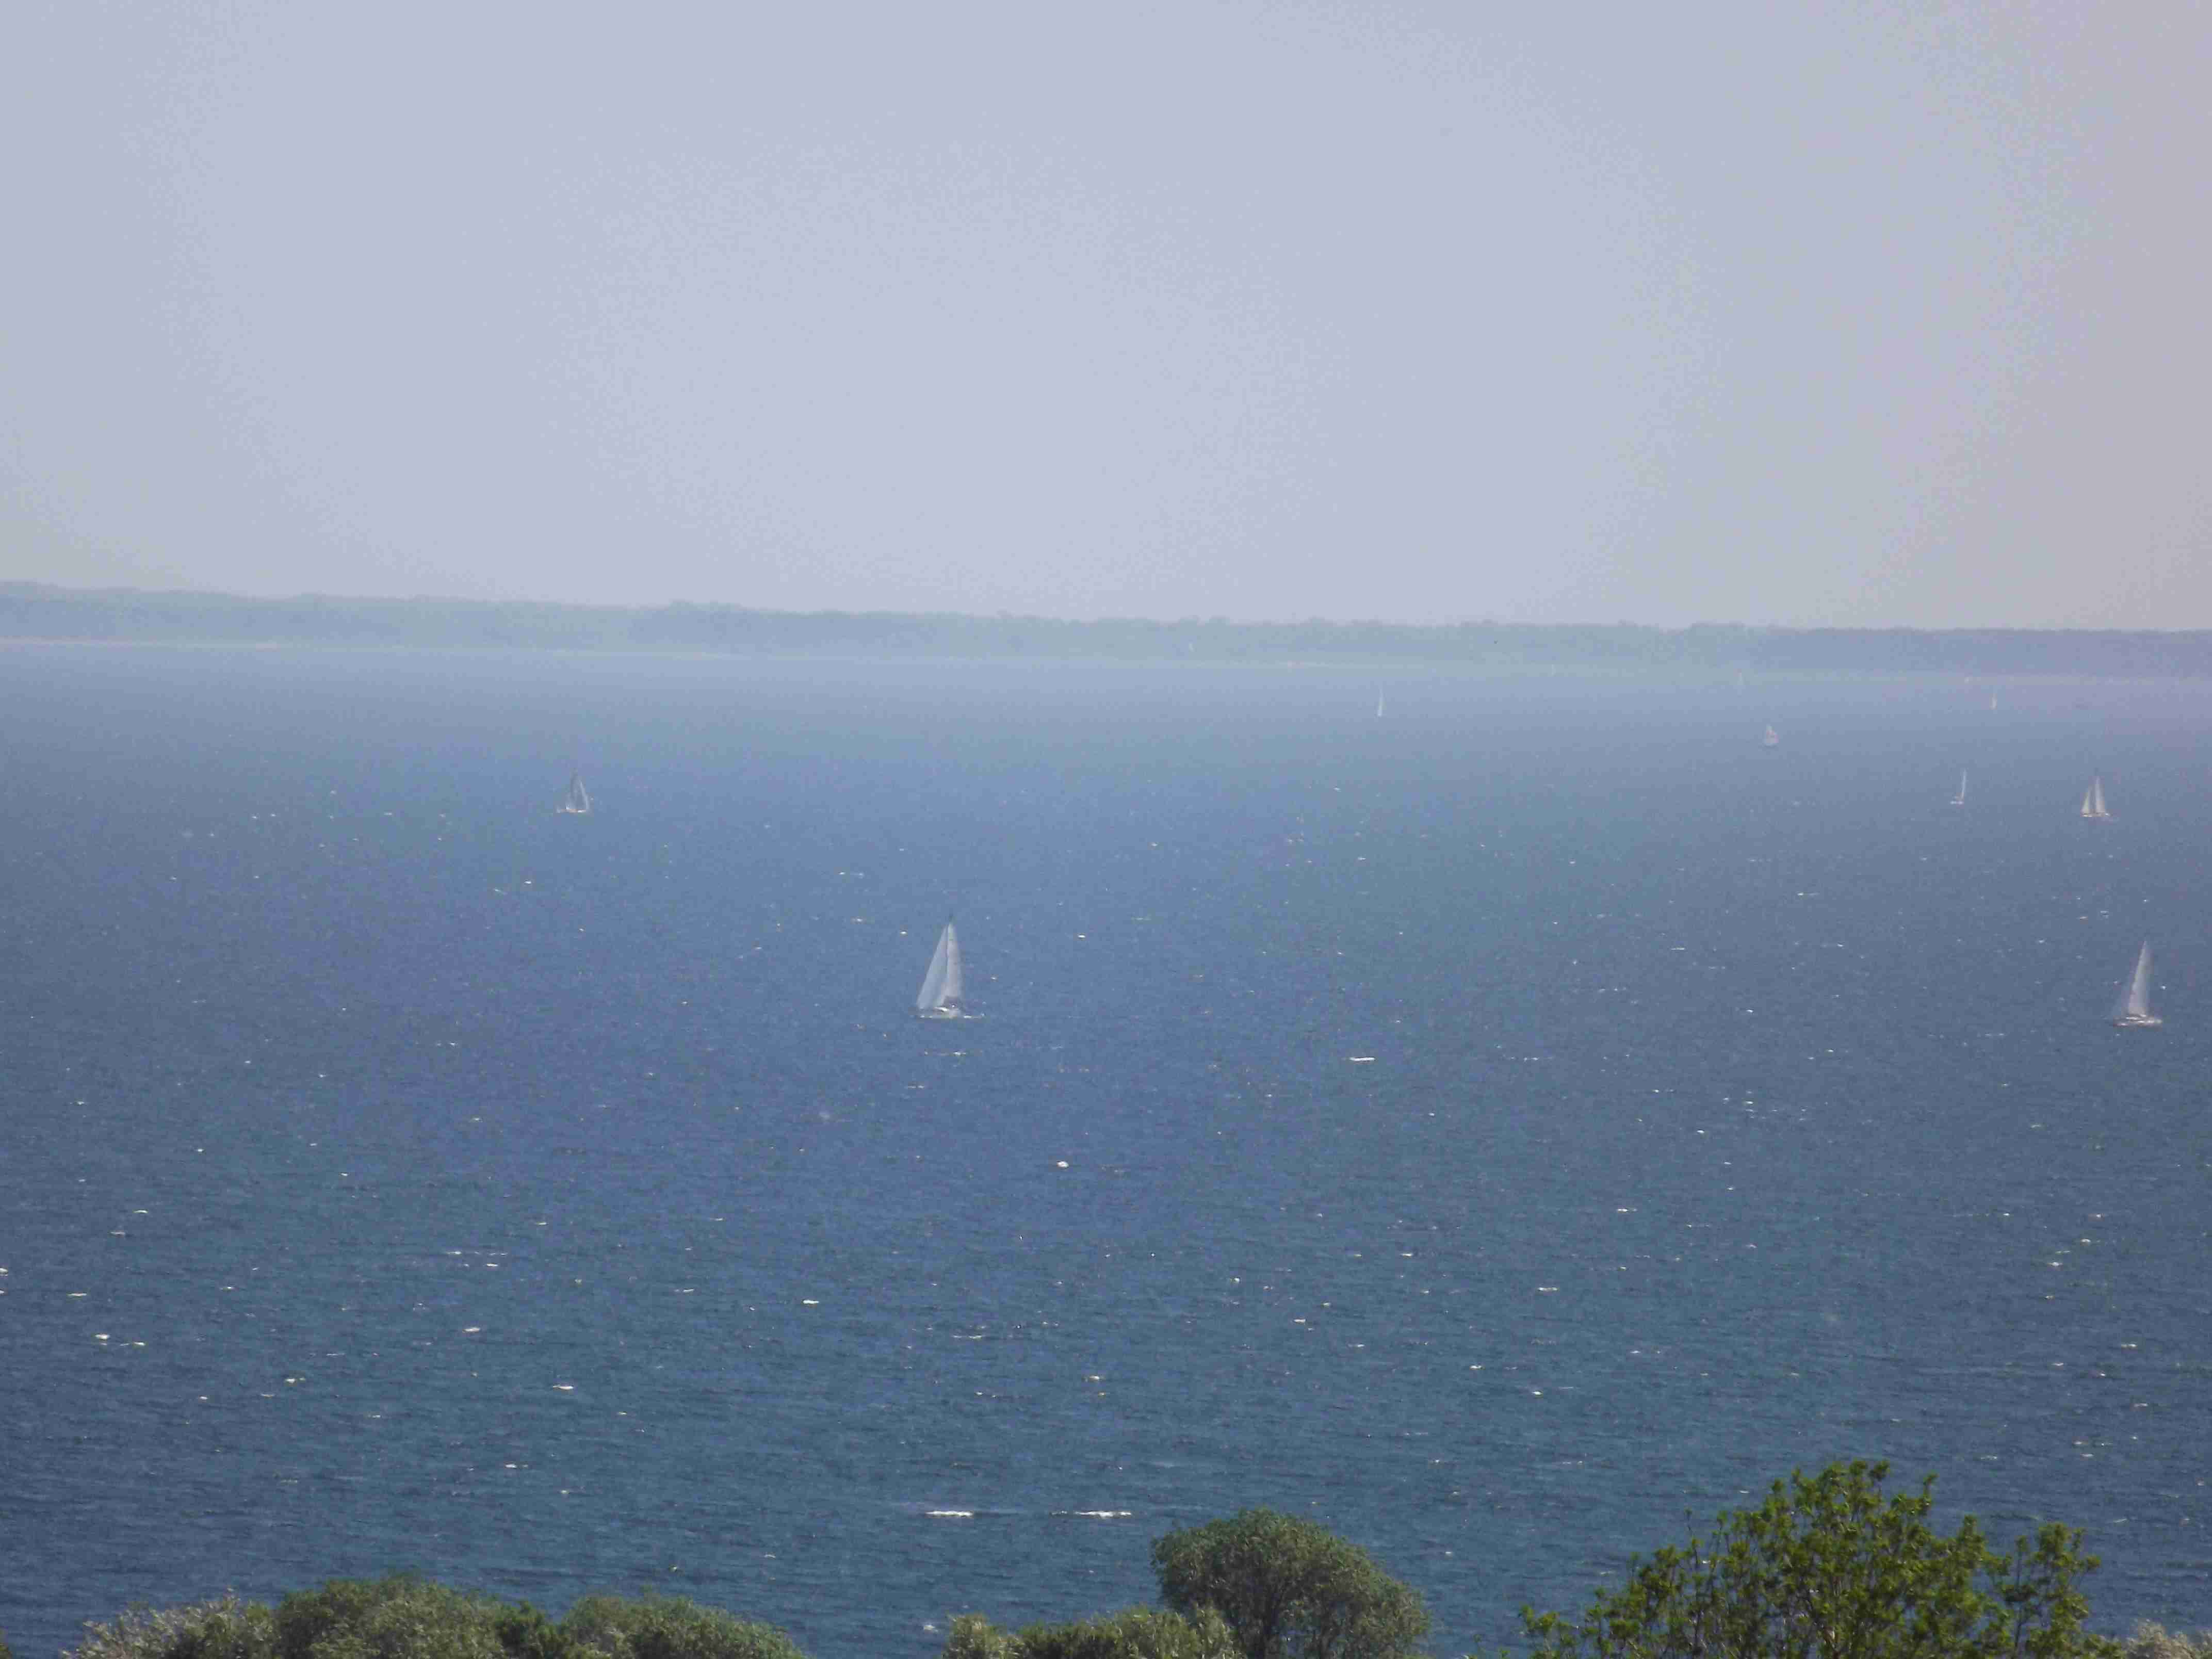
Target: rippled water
1496,1129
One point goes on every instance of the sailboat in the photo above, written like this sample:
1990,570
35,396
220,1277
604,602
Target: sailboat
939,996
2132,1011
577,799
1378,705
2092,802
1773,739
1959,800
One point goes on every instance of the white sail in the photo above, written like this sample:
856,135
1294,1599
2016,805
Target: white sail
2092,802
939,996
1959,800
1773,739
2139,987
952,995
2134,1006
577,800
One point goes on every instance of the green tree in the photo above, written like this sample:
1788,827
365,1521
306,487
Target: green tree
1829,1568
1289,1588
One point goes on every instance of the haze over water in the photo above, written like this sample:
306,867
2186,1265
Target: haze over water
1496,1129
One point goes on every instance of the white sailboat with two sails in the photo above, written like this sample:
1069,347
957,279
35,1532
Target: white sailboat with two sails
577,801
2132,1011
2092,802
940,993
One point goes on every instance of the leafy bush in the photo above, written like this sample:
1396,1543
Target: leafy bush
1289,1588
974,1637
1134,1634
228,1629
394,1617
525,1633
669,1627
1826,1567
408,1617
2150,1641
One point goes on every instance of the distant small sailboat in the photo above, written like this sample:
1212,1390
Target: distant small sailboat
2092,803
2132,1011
939,996
578,801
1773,739
1378,705
1993,700
1959,800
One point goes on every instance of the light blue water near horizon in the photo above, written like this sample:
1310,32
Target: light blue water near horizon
396,1174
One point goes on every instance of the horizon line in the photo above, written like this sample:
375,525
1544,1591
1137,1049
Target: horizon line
64,590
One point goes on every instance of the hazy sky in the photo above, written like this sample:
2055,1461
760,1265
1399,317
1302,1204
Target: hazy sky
1851,313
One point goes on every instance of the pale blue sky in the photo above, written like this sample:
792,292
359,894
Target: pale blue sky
1804,313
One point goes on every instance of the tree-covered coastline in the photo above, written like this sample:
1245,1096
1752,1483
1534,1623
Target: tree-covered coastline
36,611
1829,1566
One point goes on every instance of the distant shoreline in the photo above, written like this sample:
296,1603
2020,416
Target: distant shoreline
36,613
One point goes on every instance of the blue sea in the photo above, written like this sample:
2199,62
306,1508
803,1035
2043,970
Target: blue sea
1499,1130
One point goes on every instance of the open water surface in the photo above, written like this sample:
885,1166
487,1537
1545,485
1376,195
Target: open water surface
1497,1130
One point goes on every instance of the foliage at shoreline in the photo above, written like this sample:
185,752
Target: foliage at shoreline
1289,1588
36,611
1132,1633
408,1617
2150,1641
1829,1566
